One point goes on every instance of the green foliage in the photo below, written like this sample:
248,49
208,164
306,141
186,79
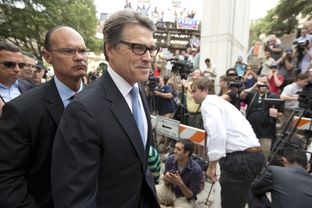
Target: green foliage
283,19
25,22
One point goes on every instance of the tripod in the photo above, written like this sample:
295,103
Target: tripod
287,132
152,102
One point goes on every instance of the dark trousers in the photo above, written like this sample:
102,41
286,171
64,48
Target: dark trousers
238,170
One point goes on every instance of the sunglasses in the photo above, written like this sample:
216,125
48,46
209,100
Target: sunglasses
12,65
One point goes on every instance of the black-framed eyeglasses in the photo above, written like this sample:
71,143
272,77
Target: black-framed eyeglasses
140,49
71,51
12,64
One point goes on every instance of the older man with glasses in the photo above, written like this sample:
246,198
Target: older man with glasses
11,63
106,131
29,122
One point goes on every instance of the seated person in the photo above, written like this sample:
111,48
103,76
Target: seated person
182,177
290,186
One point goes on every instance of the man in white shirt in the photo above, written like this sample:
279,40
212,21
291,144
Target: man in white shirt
232,142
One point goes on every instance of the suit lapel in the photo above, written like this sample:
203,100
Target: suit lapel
55,104
122,112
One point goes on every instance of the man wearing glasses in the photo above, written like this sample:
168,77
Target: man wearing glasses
11,63
101,147
29,122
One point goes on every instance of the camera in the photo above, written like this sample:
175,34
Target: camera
182,67
234,81
153,83
305,99
301,44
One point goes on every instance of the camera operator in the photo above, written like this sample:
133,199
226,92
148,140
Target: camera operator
234,87
290,186
304,53
263,123
165,104
286,67
275,48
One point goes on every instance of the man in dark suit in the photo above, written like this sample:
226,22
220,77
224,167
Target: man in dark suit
28,123
100,154
290,186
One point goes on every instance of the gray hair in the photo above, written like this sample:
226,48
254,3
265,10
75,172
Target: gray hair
114,25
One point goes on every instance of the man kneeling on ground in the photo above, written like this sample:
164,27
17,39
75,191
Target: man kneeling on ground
182,177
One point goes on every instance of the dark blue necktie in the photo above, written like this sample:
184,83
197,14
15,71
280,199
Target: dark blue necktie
137,112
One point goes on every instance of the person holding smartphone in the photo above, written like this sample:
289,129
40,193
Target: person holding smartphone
182,177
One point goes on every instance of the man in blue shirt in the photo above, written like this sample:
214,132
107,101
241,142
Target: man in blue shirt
11,62
182,177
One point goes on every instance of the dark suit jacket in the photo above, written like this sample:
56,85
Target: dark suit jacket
98,157
27,129
24,86
290,187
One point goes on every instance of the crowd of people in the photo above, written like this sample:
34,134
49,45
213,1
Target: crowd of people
65,143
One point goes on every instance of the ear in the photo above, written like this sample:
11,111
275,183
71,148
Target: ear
47,56
109,50
205,90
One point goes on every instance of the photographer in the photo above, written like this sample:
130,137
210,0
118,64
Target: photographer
286,67
234,86
306,53
275,48
263,123
165,104
290,186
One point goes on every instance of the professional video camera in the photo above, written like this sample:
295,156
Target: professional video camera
305,99
153,83
182,67
234,81
300,46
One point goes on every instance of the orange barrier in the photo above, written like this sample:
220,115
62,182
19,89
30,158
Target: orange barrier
304,123
187,132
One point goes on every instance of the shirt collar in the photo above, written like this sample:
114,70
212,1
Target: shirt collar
15,84
188,165
64,91
123,86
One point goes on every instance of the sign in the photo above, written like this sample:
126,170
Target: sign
187,23
168,127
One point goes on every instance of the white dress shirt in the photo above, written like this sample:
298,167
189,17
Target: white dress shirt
228,130
124,87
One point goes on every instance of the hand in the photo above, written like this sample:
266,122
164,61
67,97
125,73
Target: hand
211,173
273,112
173,178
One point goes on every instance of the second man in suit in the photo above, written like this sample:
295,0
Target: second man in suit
28,123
